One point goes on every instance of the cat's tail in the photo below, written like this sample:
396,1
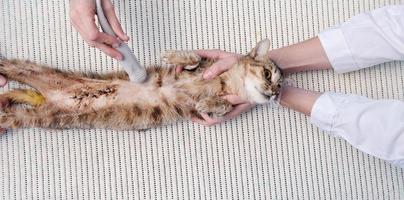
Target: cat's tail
115,117
47,116
40,77
21,71
37,117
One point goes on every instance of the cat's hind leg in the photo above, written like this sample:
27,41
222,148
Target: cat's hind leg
187,59
22,117
40,77
21,70
27,71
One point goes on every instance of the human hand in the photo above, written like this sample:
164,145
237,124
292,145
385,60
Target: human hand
3,82
82,16
239,106
224,61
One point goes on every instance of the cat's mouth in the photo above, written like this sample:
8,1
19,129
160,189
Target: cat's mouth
274,92
268,95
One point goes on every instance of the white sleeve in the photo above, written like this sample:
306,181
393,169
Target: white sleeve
366,39
375,127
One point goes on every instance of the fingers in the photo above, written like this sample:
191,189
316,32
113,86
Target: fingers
105,42
109,51
89,31
219,67
234,99
225,60
206,121
102,41
3,81
110,14
213,54
102,38
82,16
237,110
240,105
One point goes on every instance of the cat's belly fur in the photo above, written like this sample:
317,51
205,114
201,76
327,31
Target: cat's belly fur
99,95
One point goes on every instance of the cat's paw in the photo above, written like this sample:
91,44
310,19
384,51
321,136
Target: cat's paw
214,107
8,120
187,59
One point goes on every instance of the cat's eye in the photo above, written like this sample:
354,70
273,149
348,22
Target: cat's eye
267,74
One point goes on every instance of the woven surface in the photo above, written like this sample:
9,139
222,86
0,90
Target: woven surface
267,153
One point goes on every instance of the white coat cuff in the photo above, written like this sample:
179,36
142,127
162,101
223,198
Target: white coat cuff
325,110
337,50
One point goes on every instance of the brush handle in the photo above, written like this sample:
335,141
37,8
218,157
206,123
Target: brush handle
135,71
131,65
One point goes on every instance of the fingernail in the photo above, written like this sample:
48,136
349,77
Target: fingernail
126,37
208,75
116,45
120,58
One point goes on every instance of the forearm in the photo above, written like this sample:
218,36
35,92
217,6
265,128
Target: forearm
303,56
359,120
298,99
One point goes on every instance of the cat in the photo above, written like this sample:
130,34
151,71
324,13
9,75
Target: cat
83,100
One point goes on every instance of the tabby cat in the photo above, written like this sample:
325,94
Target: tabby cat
78,100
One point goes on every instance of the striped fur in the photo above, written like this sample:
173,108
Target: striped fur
84,100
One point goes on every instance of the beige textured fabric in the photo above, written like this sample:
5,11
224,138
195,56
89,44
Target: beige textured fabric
267,153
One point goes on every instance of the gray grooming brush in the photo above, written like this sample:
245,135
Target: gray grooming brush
135,71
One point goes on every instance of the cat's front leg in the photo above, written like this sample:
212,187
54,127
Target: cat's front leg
215,107
187,59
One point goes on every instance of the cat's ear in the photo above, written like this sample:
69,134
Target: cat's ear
261,51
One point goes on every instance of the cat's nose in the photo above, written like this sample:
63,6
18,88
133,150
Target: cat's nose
275,88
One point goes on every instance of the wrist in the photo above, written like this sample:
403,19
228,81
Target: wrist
306,55
299,99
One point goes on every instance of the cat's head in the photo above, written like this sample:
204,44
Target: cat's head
263,79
